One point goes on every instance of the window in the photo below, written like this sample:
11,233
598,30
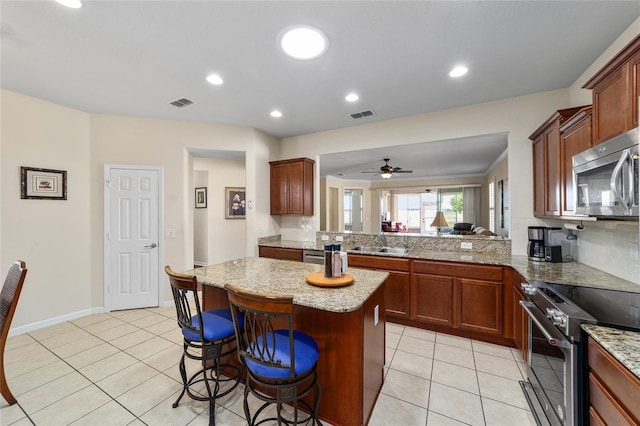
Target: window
409,209
492,207
451,205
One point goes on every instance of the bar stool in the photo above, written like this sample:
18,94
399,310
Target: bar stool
8,302
205,336
280,362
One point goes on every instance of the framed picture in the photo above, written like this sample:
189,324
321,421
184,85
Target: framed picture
201,198
43,184
235,202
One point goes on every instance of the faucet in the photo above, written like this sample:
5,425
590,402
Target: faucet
405,242
383,239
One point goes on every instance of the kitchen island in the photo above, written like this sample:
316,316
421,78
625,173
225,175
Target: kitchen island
348,323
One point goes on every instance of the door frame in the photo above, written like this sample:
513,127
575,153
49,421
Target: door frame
106,261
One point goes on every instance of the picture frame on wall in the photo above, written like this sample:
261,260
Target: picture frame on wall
43,184
201,198
235,203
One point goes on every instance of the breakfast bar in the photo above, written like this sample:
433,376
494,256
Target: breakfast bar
347,322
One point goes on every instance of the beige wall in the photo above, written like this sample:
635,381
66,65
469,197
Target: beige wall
499,172
62,241
52,236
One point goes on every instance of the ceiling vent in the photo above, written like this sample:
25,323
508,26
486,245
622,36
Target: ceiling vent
362,114
181,102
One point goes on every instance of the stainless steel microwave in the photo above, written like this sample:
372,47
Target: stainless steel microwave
605,178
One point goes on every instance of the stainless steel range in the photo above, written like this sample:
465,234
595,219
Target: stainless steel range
557,365
555,359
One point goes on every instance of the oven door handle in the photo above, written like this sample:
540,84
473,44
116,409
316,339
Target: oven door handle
558,340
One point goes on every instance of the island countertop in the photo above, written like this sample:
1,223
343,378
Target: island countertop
268,276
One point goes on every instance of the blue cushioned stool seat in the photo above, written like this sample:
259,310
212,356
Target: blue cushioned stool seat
218,324
305,350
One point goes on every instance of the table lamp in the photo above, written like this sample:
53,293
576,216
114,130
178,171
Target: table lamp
439,221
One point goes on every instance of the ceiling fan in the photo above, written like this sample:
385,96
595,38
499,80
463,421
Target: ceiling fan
386,171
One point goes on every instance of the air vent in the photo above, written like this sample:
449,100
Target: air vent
181,102
362,114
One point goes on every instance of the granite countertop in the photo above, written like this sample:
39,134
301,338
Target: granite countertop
624,345
283,277
573,273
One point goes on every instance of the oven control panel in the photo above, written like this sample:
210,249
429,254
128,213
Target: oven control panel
556,317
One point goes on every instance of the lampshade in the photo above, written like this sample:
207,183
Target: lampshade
439,221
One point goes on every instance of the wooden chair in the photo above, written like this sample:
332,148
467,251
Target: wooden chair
8,302
280,362
209,336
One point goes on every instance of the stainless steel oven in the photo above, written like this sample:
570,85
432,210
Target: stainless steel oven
556,358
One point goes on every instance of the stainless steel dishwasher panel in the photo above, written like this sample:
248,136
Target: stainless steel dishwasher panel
313,256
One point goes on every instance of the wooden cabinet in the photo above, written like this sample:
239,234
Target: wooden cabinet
280,253
397,285
613,389
292,187
547,165
520,317
465,297
575,137
616,88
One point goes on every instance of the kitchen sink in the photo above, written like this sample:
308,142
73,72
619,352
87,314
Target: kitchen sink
379,249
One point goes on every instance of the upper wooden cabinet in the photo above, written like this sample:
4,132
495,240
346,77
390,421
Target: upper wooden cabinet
575,137
616,88
292,186
547,164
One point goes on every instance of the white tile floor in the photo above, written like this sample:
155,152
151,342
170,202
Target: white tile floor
121,368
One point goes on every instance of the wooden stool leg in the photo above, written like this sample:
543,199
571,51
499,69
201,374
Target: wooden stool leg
4,388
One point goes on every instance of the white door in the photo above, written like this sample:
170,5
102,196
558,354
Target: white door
131,244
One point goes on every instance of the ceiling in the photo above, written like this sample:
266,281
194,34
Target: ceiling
134,57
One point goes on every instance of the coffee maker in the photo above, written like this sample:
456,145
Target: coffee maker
553,244
535,249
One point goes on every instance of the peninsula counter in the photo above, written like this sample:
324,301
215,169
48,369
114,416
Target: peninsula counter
348,323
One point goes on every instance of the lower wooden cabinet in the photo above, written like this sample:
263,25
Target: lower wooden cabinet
520,317
280,253
613,389
396,297
432,299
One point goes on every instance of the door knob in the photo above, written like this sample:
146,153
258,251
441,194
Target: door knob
153,245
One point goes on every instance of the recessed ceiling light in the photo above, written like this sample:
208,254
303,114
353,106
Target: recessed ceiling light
74,4
276,114
351,97
458,71
214,79
303,42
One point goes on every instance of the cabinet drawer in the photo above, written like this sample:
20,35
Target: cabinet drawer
378,262
605,405
620,383
473,271
280,253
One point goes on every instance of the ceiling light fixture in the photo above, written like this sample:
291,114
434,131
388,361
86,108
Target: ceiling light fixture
458,71
385,175
215,79
351,97
74,4
276,114
303,42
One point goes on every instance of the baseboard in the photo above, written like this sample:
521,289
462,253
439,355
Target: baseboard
53,321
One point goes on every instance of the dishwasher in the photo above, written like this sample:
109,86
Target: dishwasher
313,256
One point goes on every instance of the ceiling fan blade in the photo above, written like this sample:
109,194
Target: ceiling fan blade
402,171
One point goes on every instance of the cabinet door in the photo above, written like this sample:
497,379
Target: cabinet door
480,306
397,294
552,165
295,188
611,106
432,299
280,253
634,65
521,323
539,182
573,140
278,191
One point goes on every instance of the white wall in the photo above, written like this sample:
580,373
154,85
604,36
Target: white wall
200,219
52,236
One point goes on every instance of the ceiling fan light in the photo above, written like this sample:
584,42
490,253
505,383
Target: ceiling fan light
385,175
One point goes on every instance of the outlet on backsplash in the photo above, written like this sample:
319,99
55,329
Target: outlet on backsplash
466,245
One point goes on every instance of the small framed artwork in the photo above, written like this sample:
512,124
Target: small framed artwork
43,184
235,202
201,198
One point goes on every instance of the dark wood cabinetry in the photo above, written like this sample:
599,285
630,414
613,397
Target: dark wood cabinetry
396,286
520,317
292,187
548,167
466,298
616,88
613,389
575,137
280,253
